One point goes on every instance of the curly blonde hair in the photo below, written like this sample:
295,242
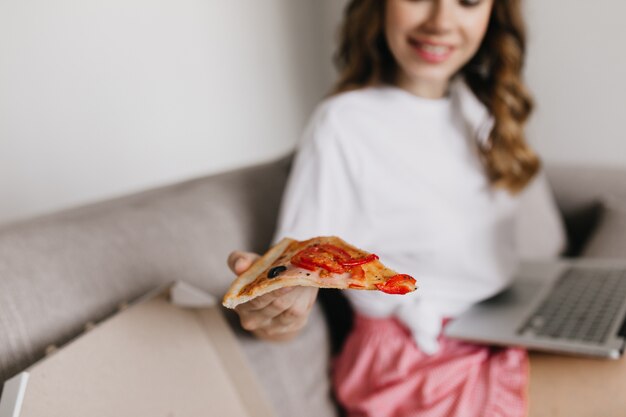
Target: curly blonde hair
493,74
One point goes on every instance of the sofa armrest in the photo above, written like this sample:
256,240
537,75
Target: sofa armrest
609,237
582,194
575,186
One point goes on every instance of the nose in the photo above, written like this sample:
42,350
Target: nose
441,17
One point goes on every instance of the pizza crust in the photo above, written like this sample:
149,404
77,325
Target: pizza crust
232,298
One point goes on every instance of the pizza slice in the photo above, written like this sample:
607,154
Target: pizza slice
324,262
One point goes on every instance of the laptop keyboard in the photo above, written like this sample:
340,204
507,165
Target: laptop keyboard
582,305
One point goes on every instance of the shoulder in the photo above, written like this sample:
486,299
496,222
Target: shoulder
349,118
341,126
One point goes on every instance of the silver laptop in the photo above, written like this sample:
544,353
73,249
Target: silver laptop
567,306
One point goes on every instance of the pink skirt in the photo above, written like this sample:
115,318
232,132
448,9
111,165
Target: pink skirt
382,373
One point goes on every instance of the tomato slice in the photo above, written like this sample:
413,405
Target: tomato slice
303,263
357,273
340,254
332,259
360,261
317,256
398,284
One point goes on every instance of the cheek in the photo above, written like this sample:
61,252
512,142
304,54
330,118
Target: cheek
401,16
394,20
394,30
475,30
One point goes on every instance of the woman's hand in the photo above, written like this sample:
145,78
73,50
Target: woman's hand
278,315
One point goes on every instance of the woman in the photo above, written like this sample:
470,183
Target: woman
419,155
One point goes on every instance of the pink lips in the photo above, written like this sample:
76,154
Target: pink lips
430,51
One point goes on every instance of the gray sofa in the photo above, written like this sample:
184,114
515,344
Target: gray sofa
61,271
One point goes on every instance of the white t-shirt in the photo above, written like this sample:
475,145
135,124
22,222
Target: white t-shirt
399,176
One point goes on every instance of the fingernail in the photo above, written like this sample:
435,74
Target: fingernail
239,264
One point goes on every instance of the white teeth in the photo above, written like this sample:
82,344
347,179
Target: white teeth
435,49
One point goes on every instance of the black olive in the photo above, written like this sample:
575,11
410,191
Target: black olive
273,273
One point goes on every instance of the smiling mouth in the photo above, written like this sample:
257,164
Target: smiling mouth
435,49
433,52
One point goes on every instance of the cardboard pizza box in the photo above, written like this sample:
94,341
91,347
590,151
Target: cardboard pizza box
169,354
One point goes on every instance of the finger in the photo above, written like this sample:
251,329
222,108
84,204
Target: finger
261,318
293,318
305,296
280,304
252,319
232,258
253,322
286,324
262,301
298,312
239,261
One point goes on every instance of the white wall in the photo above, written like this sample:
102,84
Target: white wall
104,97
100,98
577,72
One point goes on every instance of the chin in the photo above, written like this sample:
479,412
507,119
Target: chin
432,72
433,76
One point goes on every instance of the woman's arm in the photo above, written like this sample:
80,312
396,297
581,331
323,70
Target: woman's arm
319,182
